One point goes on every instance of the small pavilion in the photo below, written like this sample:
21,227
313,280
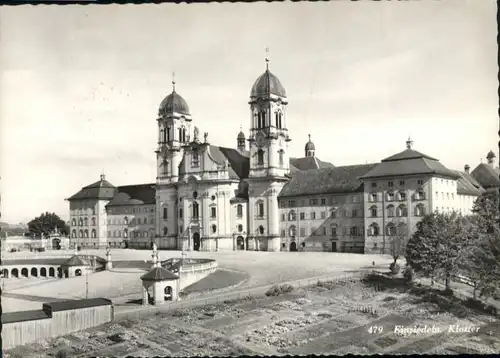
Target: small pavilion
75,266
165,286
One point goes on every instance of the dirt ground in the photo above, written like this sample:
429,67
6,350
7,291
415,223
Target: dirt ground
324,319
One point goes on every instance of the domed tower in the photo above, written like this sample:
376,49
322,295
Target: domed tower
310,149
241,141
268,132
490,157
269,161
174,126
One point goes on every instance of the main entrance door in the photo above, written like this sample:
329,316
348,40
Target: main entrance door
334,247
240,243
293,246
196,241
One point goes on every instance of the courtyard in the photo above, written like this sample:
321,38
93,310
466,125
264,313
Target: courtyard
326,318
123,284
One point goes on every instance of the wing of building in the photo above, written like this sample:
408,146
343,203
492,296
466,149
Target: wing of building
258,197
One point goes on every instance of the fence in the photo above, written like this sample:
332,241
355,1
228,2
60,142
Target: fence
145,311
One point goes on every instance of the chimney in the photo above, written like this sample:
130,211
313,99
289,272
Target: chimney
467,168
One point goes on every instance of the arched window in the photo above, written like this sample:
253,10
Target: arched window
240,228
125,219
165,230
239,210
164,166
260,209
168,134
390,211
94,233
73,222
260,157
86,233
401,211
292,216
261,229
93,222
278,119
263,119
390,196
292,231
86,222
73,233
373,197
390,229
125,233
373,211
180,134
373,230
162,133
214,229
419,210
281,154
165,213
196,210
80,222
80,233
401,195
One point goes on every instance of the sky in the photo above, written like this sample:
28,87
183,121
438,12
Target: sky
80,86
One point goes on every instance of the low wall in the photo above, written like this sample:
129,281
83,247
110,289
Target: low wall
194,272
53,320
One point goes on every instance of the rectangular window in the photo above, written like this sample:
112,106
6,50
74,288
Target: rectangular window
195,159
180,213
374,185
213,212
283,217
302,232
302,216
313,215
283,233
323,201
391,184
323,214
334,231
333,214
354,213
165,213
402,196
401,182
313,231
420,182
324,230
291,203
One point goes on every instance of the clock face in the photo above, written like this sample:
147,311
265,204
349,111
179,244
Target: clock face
259,138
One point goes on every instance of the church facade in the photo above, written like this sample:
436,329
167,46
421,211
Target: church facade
256,197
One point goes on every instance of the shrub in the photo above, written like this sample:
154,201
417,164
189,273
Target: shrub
13,249
389,298
277,290
63,353
395,268
408,274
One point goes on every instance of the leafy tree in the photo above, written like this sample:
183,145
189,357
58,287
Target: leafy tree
435,248
45,224
421,250
398,241
481,259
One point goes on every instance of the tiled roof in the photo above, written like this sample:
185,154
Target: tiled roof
407,154
308,163
75,261
409,162
240,164
134,195
465,187
23,316
75,304
159,274
327,180
471,180
487,175
101,189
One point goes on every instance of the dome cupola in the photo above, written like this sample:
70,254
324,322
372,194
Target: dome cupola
310,148
267,84
173,103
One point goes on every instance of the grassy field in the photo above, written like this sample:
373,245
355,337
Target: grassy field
323,319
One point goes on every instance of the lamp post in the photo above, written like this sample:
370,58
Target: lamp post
86,284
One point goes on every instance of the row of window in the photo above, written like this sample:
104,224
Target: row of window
87,211
84,222
84,233
261,119
320,201
400,211
292,216
166,135
448,195
281,157
391,229
390,183
126,210
134,221
126,234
